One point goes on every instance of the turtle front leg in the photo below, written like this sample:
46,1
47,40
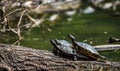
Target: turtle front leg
57,53
54,50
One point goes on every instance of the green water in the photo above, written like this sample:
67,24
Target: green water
112,55
94,29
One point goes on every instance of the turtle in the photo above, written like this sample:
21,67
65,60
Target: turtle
63,48
85,49
113,40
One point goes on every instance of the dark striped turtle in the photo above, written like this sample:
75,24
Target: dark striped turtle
85,49
63,48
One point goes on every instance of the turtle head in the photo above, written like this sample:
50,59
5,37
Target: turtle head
53,42
57,42
71,37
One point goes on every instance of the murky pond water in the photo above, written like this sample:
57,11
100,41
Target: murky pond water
94,29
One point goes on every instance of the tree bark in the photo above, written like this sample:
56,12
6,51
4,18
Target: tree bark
18,58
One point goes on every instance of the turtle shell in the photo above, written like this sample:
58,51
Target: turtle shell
87,50
87,47
64,43
65,46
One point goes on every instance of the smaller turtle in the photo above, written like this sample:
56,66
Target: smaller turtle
113,40
63,48
85,49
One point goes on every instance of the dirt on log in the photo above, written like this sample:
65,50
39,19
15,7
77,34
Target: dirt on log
18,58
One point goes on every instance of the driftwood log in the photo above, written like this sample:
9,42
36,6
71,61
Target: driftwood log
18,58
108,47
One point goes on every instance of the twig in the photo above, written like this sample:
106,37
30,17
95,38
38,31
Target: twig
36,22
18,28
19,35
13,12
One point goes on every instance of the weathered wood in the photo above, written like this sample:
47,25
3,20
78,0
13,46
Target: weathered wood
107,47
18,58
